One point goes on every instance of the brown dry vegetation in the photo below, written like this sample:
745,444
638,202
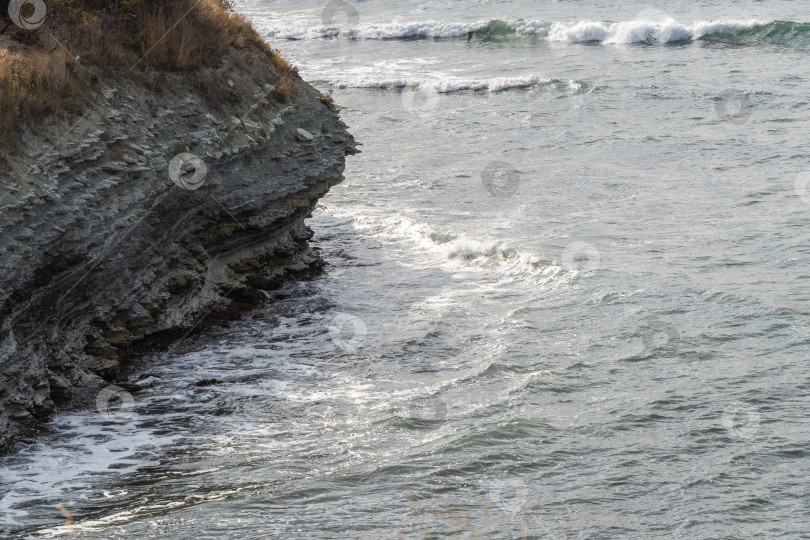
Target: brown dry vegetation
34,83
284,90
51,69
328,100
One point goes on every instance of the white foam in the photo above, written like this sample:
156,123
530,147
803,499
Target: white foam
497,84
442,84
537,28
582,31
431,29
664,31
97,447
395,30
705,28
455,252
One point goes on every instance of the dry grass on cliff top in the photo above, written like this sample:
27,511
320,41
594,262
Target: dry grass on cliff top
52,69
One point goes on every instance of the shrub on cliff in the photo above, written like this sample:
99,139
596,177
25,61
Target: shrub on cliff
46,66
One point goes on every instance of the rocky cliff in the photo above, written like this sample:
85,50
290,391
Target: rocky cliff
148,214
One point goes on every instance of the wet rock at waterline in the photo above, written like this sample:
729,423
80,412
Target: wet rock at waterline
142,219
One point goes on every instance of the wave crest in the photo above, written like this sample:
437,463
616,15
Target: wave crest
666,31
448,84
661,31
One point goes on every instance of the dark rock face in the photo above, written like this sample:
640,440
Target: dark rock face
104,256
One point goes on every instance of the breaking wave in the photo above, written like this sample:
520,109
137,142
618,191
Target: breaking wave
450,84
638,31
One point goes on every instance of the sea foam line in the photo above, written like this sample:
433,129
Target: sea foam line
456,251
668,30
446,85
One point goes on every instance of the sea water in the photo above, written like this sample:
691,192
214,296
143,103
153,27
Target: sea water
566,297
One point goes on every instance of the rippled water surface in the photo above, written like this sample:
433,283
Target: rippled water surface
567,297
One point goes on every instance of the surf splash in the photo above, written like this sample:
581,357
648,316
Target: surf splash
637,31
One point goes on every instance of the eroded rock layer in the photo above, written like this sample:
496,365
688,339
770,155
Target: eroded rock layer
103,255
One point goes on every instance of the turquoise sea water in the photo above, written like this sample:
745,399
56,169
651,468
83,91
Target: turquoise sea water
567,297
